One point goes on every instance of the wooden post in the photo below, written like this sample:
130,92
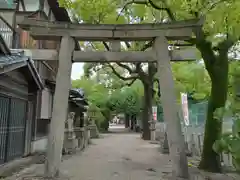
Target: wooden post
170,109
115,46
60,105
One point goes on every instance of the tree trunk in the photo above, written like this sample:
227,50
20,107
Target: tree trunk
133,122
105,123
218,72
210,160
147,111
127,121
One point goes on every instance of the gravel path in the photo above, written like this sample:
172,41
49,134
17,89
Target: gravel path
114,156
117,156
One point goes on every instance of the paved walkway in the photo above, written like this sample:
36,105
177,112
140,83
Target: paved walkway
115,156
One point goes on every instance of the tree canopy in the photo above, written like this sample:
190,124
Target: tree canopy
106,101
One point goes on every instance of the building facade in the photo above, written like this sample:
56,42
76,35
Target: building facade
19,84
18,40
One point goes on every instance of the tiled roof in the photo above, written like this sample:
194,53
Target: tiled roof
11,59
78,96
20,62
79,91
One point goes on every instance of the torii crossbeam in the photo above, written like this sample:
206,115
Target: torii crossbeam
45,30
107,56
160,33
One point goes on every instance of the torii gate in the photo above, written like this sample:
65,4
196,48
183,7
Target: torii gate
160,32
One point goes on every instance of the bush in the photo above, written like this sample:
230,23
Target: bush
230,144
99,116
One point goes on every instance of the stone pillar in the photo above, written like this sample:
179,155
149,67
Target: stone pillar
93,130
79,132
60,105
168,99
152,129
86,131
70,141
164,145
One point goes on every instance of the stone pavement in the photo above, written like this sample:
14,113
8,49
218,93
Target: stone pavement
115,156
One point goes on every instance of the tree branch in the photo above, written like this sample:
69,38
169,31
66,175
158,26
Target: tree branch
225,45
167,9
129,84
130,70
120,64
120,76
106,46
127,44
148,3
214,4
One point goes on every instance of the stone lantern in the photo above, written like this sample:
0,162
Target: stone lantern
91,123
86,130
70,141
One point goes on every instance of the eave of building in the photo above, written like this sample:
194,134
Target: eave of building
15,61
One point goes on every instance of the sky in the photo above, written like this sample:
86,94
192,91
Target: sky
77,70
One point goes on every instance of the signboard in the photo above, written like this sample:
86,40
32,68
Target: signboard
184,103
154,111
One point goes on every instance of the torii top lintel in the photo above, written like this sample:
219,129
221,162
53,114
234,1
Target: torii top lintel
46,30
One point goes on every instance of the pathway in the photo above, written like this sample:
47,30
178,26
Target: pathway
119,155
115,156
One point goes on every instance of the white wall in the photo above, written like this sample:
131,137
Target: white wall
31,5
46,106
39,145
6,32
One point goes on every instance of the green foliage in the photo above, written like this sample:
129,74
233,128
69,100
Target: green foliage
233,107
126,100
94,11
98,116
230,144
97,95
191,77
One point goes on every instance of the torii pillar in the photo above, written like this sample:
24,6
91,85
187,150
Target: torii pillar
170,109
60,106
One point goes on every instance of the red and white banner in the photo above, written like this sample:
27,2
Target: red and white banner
154,111
184,103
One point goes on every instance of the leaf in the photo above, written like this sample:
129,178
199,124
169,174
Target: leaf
236,163
234,146
218,113
220,146
236,128
138,10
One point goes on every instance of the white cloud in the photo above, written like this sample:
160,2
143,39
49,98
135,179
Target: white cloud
77,70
